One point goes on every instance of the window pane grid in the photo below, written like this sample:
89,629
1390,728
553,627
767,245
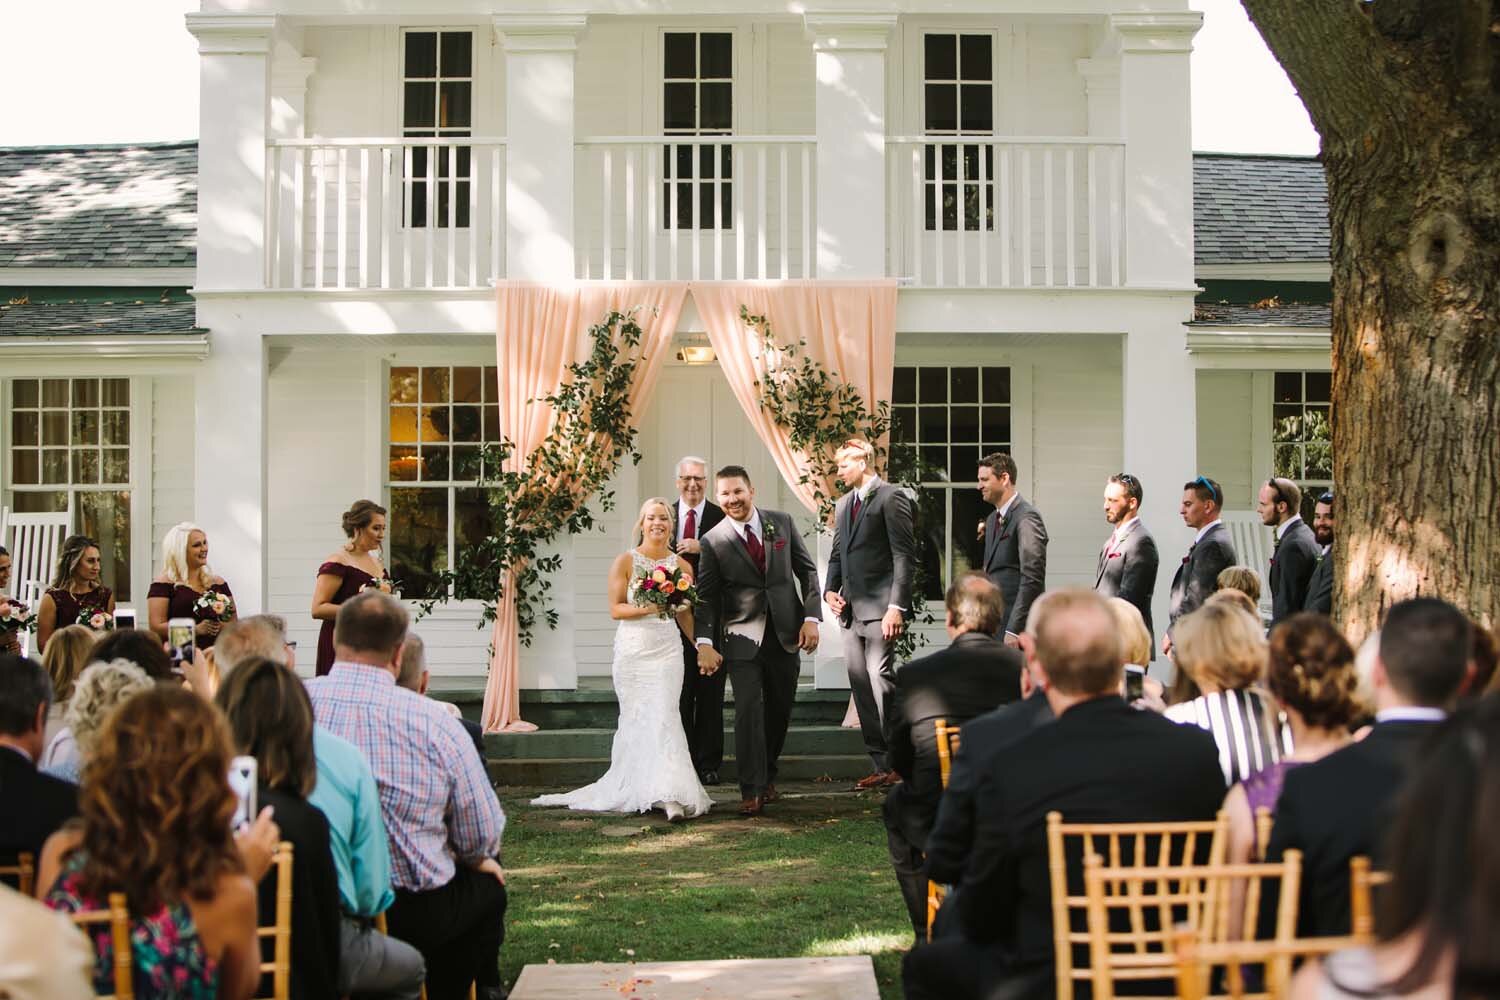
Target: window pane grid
1302,431
437,102
697,100
958,97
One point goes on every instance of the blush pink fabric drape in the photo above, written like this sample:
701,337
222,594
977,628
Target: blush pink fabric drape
850,329
541,330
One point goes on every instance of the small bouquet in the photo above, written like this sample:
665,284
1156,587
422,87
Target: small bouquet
96,618
212,606
15,616
669,590
382,583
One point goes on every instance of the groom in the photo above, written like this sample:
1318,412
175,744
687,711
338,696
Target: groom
752,620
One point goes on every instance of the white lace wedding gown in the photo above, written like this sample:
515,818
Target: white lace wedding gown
649,764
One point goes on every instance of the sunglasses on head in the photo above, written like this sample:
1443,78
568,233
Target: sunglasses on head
1327,497
1212,489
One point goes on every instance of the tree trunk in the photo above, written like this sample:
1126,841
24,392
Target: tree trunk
1410,138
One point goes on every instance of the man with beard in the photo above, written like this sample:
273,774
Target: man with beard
1320,587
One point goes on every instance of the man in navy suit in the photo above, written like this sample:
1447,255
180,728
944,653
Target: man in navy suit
701,703
1211,553
1015,544
1295,553
1128,561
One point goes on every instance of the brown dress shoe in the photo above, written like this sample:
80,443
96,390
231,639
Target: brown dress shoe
771,795
752,806
891,778
876,780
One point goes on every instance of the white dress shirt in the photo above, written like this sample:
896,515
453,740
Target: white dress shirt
1206,529
754,630
1285,526
697,518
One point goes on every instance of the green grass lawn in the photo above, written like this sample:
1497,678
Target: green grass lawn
809,878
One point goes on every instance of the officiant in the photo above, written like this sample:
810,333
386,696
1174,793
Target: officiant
702,701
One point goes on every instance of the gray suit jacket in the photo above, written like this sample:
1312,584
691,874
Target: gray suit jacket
1292,569
873,558
1130,571
1015,558
732,590
1320,587
1199,573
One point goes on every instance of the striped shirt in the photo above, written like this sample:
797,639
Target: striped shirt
434,795
1244,724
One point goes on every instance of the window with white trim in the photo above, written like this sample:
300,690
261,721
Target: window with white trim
697,100
70,451
437,102
948,417
1302,432
958,99
440,418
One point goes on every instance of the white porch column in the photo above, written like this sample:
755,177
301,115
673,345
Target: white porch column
1156,120
849,51
1101,88
539,55
229,478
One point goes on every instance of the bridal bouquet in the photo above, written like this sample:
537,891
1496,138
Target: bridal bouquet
669,590
96,618
384,584
212,606
15,616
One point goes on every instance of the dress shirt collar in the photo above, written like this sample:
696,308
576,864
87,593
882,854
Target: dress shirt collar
1007,505
1206,529
17,750
367,673
1285,526
697,518
1121,530
754,522
702,506
1411,713
867,488
1325,549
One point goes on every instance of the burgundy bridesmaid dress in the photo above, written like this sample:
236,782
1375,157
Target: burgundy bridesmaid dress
353,580
181,600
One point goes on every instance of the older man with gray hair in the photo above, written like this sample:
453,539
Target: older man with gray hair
416,677
701,703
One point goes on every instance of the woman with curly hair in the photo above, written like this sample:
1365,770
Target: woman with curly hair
100,689
156,809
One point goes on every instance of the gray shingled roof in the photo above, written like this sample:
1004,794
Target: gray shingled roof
1295,314
119,317
99,206
1259,209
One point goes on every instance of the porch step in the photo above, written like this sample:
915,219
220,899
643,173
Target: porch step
572,772
552,744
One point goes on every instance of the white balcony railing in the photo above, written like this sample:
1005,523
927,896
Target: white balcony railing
985,211
385,213
695,207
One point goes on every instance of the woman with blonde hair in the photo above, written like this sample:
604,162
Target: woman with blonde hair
187,588
354,567
101,689
1222,650
67,653
1241,578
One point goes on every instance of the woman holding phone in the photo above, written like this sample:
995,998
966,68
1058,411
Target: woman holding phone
187,588
75,589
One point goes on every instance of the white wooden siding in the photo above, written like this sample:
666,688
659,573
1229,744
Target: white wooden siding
172,432
1226,435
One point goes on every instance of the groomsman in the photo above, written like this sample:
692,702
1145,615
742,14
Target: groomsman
1128,561
869,587
1294,551
1015,544
1320,588
702,700
1211,553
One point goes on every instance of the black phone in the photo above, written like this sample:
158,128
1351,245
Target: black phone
125,617
1135,682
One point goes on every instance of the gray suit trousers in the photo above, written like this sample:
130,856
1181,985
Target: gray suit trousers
765,686
871,663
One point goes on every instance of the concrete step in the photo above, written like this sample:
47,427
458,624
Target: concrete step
573,772
547,744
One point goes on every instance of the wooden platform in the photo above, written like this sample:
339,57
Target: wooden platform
842,978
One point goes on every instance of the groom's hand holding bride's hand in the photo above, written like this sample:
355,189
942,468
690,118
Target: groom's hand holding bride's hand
708,660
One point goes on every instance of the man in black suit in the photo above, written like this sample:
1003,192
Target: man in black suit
1101,761
758,609
701,703
1015,543
1320,587
32,804
975,674
869,587
1128,561
1211,553
1336,808
1295,551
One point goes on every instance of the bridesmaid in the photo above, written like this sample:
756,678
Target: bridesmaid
185,577
347,571
75,587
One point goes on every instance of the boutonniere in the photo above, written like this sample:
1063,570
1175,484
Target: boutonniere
768,530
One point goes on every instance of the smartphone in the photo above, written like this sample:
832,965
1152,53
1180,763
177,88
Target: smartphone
180,638
242,779
124,617
1135,682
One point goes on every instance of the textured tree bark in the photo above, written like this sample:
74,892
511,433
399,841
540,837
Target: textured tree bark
1406,97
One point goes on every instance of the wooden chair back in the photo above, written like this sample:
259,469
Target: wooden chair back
1117,844
23,871
1135,911
118,919
947,747
279,968
1362,879
1196,961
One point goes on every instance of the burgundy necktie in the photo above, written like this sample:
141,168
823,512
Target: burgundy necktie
757,550
854,509
690,527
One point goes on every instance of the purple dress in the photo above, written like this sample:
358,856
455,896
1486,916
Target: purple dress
70,605
1263,788
353,580
181,600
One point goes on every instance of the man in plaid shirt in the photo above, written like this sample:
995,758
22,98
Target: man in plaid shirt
442,817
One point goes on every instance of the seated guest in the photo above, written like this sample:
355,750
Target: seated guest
101,689
139,646
1222,649
32,804
442,816
1240,578
68,652
1335,808
1234,598
1100,762
371,964
415,677
1437,921
271,720
42,955
975,674
156,826
1136,646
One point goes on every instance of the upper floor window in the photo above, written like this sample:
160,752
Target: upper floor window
697,100
958,98
437,102
1302,432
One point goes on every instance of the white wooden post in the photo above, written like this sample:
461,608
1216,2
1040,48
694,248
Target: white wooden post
539,55
849,52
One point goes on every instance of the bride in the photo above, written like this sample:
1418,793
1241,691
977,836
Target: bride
649,764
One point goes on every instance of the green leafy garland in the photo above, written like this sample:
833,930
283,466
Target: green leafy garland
820,412
591,433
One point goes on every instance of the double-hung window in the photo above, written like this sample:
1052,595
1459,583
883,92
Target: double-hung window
437,103
958,99
1302,432
697,100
